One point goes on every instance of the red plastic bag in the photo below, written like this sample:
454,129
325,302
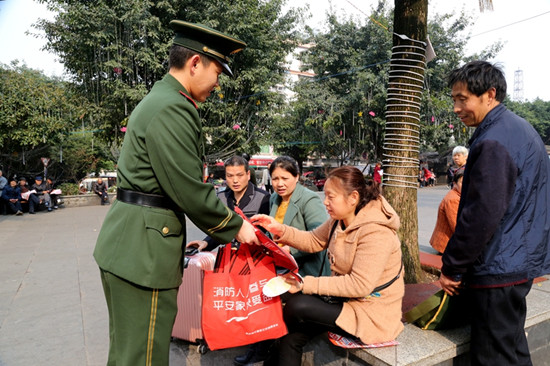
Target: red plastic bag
281,257
235,312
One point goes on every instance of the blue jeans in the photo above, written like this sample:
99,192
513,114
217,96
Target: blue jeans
104,197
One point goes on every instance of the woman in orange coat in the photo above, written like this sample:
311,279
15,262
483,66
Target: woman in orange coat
363,296
446,215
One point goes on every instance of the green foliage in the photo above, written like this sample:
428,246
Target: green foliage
36,113
114,52
536,113
34,109
237,118
339,113
84,153
449,35
351,64
69,189
116,49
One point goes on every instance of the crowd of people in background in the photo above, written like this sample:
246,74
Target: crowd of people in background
426,177
426,174
17,195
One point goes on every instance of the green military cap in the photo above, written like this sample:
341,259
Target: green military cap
208,41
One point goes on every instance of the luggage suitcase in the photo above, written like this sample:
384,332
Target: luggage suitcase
187,325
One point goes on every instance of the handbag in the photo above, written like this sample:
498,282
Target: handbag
235,312
440,311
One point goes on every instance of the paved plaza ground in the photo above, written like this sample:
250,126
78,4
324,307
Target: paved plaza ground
52,309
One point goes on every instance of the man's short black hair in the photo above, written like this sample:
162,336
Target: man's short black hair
480,76
236,161
179,56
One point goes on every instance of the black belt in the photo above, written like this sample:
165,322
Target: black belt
145,199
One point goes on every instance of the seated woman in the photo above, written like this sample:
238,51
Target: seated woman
362,298
294,205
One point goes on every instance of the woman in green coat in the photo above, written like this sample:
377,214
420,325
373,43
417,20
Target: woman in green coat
294,205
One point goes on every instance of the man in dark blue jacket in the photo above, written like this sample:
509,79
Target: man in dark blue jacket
501,239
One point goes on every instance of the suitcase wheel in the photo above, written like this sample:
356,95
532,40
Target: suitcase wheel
202,348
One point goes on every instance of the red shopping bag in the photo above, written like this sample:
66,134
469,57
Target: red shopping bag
235,312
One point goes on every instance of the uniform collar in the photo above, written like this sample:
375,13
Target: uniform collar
172,81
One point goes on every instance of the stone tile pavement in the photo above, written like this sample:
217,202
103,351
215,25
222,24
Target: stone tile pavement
52,309
51,306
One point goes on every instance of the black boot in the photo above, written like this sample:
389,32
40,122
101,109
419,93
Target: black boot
255,353
245,358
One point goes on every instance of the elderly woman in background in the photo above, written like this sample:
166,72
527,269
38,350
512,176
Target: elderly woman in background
460,155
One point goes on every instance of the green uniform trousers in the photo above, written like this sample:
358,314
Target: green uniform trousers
140,322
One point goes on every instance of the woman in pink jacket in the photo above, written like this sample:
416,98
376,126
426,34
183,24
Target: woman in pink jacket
362,298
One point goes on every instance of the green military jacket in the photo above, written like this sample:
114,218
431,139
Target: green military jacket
161,154
305,212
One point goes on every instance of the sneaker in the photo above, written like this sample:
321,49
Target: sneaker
49,209
19,213
55,207
32,213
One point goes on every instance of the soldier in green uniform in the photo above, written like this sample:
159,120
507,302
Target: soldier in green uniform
140,247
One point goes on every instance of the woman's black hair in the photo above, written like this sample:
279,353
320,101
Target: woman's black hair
458,174
287,163
351,179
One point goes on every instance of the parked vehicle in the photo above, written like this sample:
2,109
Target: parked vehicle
315,178
85,185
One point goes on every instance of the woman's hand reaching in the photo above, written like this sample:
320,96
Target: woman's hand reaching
268,223
295,285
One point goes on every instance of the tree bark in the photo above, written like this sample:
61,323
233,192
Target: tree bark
402,133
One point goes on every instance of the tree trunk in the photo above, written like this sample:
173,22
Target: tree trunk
402,134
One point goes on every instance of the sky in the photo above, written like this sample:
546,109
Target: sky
522,28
